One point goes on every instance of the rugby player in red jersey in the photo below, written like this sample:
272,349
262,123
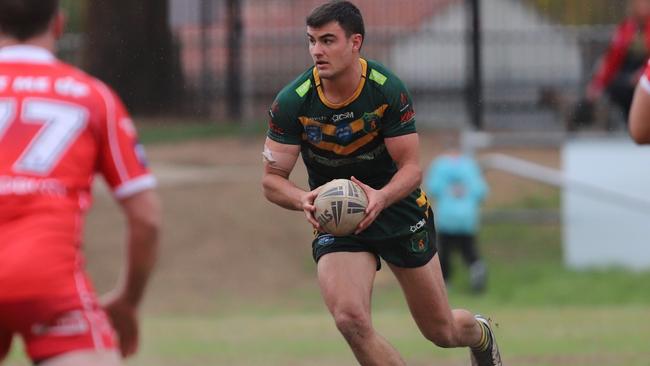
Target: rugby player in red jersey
58,128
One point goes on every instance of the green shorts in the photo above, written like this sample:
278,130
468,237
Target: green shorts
412,250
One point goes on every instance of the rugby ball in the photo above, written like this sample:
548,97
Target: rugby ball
340,206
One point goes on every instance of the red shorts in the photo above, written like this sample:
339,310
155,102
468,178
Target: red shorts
54,326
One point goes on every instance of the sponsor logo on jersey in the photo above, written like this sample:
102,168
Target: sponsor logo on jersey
275,128
420,242
275,108
344,133
327,161
405,108
4,81
338,117
68,86
324,240
314,133
403,101
69,324
32,84
407,116
418,225
24,185
140,154
370,122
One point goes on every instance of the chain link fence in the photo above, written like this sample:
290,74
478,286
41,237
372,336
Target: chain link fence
537,55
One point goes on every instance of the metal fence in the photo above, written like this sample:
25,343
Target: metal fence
536,55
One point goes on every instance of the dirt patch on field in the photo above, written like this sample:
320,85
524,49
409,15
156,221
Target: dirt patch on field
221,236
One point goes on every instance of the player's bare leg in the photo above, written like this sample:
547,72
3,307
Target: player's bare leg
346,281
424,289
85,358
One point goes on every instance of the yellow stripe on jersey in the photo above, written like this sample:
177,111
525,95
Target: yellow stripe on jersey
423,201
355,126
330,130
347,149
323,98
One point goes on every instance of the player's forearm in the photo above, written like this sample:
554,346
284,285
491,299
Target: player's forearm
639,124
405,181
282,192
143,216
143,253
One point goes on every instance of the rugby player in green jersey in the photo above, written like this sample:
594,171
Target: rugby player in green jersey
352,118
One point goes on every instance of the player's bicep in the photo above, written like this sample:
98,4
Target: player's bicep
278,158
403,149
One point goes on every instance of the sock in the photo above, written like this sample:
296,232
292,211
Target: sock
485,341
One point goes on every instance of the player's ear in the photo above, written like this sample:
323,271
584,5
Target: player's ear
357,41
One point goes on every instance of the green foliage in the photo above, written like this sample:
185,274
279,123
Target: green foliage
582,12
75,11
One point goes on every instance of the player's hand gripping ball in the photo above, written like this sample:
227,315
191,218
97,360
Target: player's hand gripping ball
340,206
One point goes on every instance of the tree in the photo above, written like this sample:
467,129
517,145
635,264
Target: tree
583,12
129,46
234,71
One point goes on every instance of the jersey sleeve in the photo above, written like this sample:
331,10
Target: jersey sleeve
283,124
122,160
399,118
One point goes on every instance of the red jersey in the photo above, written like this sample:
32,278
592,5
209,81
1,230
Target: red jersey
58,127
617,51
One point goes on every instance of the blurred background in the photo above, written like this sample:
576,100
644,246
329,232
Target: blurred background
226,59
564,227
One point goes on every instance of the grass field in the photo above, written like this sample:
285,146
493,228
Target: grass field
237,287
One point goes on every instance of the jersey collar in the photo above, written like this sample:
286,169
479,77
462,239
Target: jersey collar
26,53
321,94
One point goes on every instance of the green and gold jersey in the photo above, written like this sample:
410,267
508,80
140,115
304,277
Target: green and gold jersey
341,140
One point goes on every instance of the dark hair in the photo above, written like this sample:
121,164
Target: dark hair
344,12
24,19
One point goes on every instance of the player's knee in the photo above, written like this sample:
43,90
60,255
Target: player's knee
442,337
352,323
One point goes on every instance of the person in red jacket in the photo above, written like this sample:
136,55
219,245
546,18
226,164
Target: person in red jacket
623,63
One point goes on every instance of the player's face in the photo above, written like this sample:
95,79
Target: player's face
332,51
641,8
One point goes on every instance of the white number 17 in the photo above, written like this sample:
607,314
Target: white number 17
61,125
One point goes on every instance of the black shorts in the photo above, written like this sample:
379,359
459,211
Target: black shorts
408,251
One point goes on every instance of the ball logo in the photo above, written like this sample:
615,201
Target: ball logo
354,208
339,207
336,191
325,217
